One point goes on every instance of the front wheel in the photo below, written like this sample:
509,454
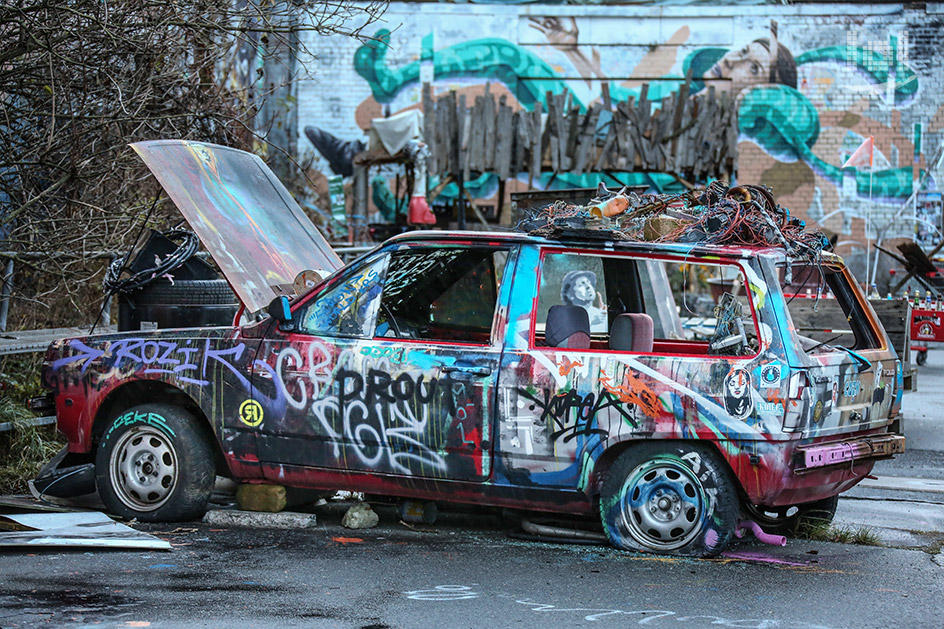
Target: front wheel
155,464
669,498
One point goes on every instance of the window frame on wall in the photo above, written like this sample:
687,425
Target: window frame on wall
535,339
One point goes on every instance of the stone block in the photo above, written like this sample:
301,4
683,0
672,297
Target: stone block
268,498
360,516
252,519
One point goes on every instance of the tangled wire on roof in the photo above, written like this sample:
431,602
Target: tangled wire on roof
718,214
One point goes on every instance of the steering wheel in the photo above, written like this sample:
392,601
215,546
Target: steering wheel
391,320
729,337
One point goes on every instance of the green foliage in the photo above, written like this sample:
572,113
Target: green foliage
25,449
19,376
822,532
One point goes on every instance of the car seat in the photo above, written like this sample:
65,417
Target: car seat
631,332
568,326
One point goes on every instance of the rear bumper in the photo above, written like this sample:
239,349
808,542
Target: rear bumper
821,456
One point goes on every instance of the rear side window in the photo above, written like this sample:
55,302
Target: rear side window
826,309
643,305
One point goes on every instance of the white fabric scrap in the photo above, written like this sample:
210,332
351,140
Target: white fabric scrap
394,132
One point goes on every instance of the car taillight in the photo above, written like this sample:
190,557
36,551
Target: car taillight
796,387
41,404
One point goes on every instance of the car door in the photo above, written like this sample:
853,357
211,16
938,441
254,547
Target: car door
848,376
390,368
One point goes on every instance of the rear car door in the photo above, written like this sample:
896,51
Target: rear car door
390,368
850,375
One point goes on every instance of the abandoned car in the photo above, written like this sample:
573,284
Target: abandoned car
571,374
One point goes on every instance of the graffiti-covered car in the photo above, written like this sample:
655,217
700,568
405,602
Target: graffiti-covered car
569,374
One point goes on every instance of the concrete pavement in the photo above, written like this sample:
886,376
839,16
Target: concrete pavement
904,504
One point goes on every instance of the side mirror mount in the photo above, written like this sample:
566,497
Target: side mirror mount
279,310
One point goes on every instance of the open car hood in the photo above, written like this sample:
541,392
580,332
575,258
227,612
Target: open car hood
253,228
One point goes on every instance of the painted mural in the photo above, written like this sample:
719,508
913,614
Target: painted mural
810,88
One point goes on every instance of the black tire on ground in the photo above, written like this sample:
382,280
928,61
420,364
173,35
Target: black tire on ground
793,519
922,357
669,498
184,293
154,463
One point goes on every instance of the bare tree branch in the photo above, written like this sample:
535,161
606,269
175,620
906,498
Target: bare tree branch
81,79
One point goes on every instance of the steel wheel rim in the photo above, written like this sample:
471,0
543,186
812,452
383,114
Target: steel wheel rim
143,468
663,504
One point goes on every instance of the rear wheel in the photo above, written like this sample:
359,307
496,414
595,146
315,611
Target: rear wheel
155,464
793,519
669,498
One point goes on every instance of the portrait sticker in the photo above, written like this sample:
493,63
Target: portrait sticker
737,393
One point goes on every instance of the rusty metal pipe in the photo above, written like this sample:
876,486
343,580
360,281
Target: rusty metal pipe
556,531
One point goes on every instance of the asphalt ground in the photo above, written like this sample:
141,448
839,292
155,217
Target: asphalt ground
462,571
467,570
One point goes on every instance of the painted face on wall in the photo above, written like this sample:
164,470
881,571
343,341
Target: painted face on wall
743,68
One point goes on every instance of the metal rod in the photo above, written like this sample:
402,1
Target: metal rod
5,293
460,207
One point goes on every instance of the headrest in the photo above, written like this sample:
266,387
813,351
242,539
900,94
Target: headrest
631,332
563,322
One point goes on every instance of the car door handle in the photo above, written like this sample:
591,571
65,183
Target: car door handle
475,371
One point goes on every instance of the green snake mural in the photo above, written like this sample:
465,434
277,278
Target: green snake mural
527,76
777,117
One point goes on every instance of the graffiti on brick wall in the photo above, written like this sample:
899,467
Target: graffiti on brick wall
807,97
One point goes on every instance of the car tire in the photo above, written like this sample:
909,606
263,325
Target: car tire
669,498
154,463
790,521
185,293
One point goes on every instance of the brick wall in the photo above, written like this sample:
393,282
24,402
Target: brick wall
859,70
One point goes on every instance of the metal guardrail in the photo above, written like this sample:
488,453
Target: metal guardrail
47,420
38,340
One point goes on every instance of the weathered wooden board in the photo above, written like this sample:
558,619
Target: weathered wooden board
692,136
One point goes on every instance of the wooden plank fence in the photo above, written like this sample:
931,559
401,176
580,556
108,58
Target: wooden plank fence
693,136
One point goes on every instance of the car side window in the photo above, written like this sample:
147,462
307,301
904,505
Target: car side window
350,307
643,305
444,294
574,280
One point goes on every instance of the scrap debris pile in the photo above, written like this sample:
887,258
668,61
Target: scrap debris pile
718,214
